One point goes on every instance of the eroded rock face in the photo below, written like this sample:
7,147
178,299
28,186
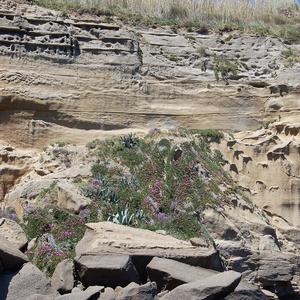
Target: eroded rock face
169,273
63,277
87,70
265,163
10,256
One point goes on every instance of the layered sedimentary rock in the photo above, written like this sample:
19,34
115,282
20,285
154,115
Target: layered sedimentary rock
73,78
265,163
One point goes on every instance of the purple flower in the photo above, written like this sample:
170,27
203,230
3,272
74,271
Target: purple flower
52,226
58,253
84,213
155,191
96,183
45,249
162,217
65,235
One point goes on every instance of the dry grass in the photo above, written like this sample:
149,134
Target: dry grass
213,13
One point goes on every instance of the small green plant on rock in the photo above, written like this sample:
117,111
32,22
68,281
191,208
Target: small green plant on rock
291,57
212,134
224,68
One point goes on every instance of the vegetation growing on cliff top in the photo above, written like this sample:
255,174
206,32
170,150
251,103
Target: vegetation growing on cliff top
276,17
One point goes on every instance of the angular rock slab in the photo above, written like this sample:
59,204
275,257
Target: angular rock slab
246,291
108,270
212,288
142,245
63,278
27,282
13,232
168,273
11,258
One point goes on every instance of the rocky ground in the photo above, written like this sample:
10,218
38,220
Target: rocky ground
165,213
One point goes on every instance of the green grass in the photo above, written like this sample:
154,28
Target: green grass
291,57
271,17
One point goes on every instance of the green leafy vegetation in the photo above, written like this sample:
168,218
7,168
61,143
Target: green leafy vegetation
162,181
224,68
291,57
156,182
56,232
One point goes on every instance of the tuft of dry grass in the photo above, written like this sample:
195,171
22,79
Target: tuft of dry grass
189,13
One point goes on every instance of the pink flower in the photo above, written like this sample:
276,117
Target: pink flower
65,235
58,253
45,249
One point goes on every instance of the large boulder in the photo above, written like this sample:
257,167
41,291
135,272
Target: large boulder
108,270
63,278
168,273
13,232
11,258
134,291
28,281
142,245
276,271
212,288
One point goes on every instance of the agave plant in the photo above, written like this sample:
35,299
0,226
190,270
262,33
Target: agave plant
129,141
123,217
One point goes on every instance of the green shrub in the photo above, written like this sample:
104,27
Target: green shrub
157,183
213,134
224,67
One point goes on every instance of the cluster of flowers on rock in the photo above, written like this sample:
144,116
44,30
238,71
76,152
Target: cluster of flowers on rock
156,178
55,232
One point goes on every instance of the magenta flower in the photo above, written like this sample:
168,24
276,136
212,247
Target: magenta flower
65,235
162,217
45,249
155,191
58,253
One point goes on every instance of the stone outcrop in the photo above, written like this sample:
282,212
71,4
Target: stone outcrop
117,77
247,291
63,277
106,270
266,166
169,273
109,238
28,281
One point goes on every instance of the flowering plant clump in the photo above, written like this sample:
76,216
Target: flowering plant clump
161,177
57,232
